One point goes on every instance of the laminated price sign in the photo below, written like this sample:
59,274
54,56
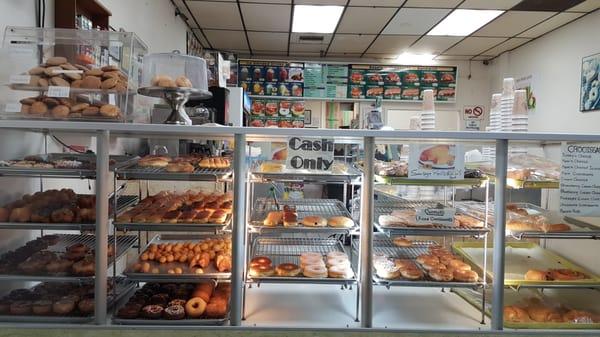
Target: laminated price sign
436,161
580,179
309,154
442,216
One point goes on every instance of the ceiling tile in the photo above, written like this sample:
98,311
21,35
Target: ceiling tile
363,20
453,57
287,2
546,5
226,39
512,23
482,57
350,43
586,6
305,54
414,20
200,36
269,52
312,48
506,45
387,3
391,44
219,15
432,3
353,55
550,24
434,44
321,2
254,17
381,55
474,45
489,4
268,41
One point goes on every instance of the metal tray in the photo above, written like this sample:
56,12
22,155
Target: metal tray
579,229
349,175
122,203
434,230
83,173
473,182
385,246
322,207
519,258
133,171
124,243
123,287
579,299
288,250
210,272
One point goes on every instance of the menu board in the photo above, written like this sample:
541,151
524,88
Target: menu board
279,113
325,80
314,80
271,78
336,81
580,180
401,82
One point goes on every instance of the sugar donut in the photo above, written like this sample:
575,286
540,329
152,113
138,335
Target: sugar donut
465,275
340,271
338,262
336,254
315,271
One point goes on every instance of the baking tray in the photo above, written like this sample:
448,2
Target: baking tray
288,250
322,207
579,229
123,287
210,272
133,171
434,230
385,246
124,243
83,173
519,258
122,203
170,227
579,299
348,174
389,180
27,87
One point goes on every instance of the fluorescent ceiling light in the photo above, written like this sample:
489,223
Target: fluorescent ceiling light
463,22
415,59
316,19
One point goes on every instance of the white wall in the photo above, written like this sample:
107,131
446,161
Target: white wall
154,21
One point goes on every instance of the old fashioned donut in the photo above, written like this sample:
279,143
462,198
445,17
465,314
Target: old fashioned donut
195,307
442,275
465,275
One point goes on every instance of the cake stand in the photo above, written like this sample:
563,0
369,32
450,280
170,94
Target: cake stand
176,98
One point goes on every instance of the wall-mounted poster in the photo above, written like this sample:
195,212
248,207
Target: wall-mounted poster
590,83
397,82
271,78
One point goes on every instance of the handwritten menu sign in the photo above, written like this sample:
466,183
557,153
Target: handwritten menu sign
580,179
436,161
442,216
310,153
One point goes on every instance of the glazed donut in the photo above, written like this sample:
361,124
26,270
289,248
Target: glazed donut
536,275
63,306
262,271
515,314
260,261
20,308
402,242
42,307
195,307
404,263
458,265
430,265
339,271
566,275
315,271
411,273
443,275
288,270
86,306
465,275
336,254
427,258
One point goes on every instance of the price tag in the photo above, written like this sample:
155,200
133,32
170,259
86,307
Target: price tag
309,153
442,216
20,79
54,91
13,107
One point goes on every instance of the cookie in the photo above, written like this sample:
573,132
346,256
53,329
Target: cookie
94,72
25,108
34,79
53,71
90,111
38,108
76,84
28,100
183,82
56,60
43,82
68,66
36,71
111,74
109,83
109,110
60,111
50,102
82,67
110,68
59,82
72,75
91,82
79,107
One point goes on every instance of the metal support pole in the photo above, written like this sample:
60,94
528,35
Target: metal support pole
239,229
102,190
366,237
499,234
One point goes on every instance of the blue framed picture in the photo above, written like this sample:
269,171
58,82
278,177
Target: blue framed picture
590,83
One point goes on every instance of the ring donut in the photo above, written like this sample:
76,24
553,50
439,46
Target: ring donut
195,307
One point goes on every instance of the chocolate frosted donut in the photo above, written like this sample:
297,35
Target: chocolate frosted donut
42,307
129,311
160,299
174,312
180,302
152,311
20,308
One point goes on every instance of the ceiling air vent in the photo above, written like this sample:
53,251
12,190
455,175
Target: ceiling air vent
311,38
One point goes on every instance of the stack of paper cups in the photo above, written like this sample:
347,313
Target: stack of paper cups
506,103
520,119
428,111
495,114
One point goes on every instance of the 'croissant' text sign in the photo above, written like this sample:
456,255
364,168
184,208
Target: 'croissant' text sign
309,153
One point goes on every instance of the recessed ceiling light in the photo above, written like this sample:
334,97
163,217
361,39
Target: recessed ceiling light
463,22
415,59
316,19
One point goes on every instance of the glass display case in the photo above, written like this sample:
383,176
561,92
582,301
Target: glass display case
67,74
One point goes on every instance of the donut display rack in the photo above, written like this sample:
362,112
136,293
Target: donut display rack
350,175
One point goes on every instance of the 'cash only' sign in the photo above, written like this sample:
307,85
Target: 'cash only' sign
309,153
